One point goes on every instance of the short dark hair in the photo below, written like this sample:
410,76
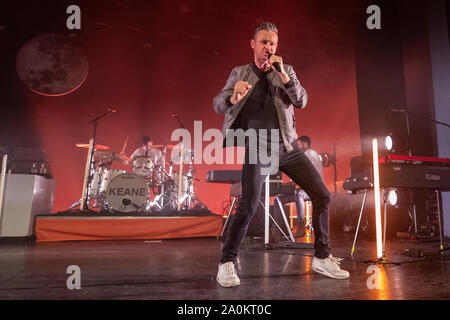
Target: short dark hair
268,26
305,139
145,139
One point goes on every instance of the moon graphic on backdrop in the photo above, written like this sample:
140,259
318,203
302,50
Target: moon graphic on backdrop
52,65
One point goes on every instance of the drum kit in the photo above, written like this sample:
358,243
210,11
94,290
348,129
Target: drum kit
153,185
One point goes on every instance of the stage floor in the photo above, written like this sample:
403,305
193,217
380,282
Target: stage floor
185,269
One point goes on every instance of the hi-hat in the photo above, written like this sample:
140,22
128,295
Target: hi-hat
97,146
188,154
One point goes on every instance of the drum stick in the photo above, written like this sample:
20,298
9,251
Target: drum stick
125,145
180,176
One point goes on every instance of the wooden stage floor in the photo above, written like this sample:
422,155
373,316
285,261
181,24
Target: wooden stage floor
185,269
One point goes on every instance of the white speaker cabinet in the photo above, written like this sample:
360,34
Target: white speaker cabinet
25,196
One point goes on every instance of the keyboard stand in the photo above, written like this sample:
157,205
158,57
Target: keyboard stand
441,243
385,200
359,222
228,216
268,216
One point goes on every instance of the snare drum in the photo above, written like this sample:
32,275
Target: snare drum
155,178
143,166
127,192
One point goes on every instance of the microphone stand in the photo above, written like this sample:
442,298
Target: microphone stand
190,175
425,118
408,131
407,114
179,121
94,123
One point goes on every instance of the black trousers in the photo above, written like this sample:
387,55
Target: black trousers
297,167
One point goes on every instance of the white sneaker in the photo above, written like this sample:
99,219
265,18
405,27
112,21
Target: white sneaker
330,267
227,276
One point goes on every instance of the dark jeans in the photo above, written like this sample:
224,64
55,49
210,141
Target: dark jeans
297,167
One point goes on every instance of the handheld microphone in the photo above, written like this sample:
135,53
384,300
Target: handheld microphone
108,111
276,65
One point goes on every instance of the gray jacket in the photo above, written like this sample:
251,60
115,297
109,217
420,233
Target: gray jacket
285,98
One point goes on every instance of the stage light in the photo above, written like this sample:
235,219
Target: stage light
327,159
392,197
388,143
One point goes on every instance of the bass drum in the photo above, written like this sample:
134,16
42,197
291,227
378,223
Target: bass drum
127,192
107,176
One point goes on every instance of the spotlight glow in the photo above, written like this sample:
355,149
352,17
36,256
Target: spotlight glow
392,197
388,143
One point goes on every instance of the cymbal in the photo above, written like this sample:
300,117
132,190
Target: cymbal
186,152
111,156
187,155
104,155
97,146
160,146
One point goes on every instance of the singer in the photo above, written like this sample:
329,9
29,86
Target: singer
258,96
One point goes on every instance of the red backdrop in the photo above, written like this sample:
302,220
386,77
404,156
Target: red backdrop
154,59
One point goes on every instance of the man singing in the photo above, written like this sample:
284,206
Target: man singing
262,95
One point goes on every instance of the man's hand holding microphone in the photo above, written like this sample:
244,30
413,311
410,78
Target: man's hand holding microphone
276,63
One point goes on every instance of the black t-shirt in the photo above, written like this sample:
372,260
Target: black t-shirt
259,111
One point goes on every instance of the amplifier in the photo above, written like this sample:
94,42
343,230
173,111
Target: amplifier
224,176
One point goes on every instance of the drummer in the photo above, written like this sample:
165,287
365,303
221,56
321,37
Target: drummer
146,150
